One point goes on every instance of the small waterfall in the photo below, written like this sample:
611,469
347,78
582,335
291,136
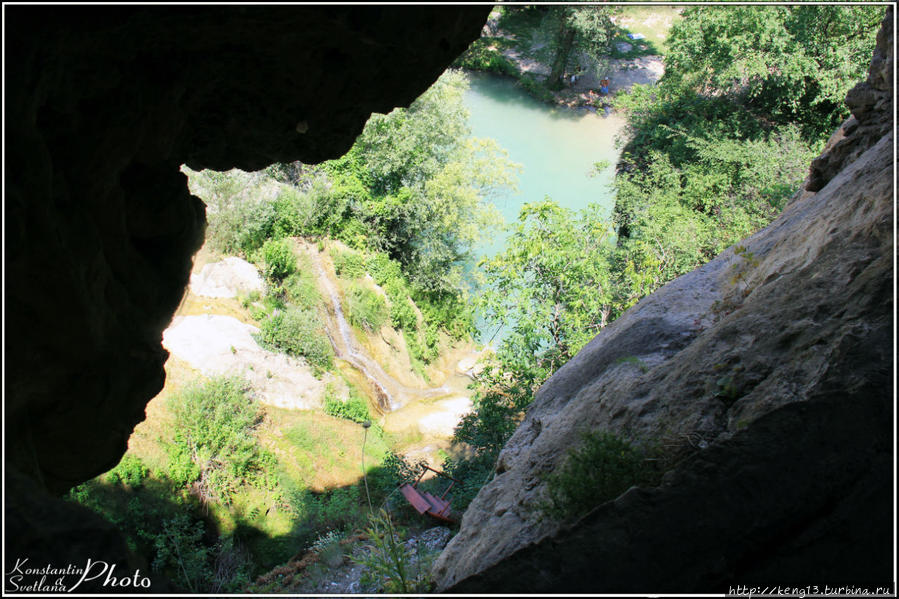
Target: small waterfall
346,349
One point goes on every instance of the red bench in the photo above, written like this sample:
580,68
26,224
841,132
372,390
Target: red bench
424,502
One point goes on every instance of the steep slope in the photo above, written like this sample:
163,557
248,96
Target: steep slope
767,374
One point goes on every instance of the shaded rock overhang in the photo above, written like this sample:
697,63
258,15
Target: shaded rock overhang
103,105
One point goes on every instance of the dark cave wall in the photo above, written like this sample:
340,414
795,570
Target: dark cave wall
103,106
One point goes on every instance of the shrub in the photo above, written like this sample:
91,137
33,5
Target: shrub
483,55
348,265
383,270
180,551
297,332
279,260
130,472
214,442
365,308
239,219
600,469
354,408
402,314
300,289
391,566
293,213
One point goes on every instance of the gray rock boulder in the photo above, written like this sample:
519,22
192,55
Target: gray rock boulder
765,375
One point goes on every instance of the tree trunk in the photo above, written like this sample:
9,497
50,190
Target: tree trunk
563,51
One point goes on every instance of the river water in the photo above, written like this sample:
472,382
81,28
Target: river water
556,147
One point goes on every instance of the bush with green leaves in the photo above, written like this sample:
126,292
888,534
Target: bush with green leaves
353,408
300,288
130,472
181,553
279,260
391,566
365,308
486,55
335,509
348,264
601,468
238,219
299,333
294,213
402,314
214,442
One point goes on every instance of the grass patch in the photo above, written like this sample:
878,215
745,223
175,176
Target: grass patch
348,264
653,22
300,288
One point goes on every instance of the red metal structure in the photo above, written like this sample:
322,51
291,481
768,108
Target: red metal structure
424,502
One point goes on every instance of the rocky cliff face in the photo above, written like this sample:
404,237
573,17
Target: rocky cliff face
103,105
785,472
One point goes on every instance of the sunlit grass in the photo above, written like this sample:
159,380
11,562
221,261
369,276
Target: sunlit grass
321,451
652,21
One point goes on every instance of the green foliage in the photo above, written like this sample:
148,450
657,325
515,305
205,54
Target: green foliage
354,408
349,265
535,87
718,147
239,220
402,314
214,443
167,527
294,212
556,286
337,509
474,473
486,55
180,550
787,63
300,289
365,308
300,333
130,472
691,189
391,567
601,468
553,287
415,186
279,259
578,30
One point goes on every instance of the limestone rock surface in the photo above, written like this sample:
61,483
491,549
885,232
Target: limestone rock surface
219,345
231,277
766,377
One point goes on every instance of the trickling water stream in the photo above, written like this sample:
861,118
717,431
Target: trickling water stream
391,394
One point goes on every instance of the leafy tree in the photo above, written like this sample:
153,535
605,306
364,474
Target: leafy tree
553,289
586,29
786,63
279,259
421,185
